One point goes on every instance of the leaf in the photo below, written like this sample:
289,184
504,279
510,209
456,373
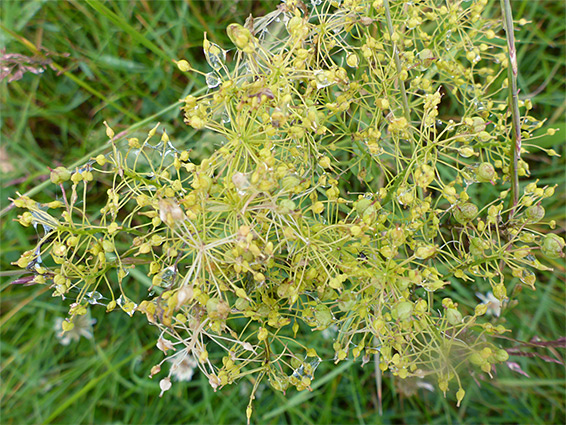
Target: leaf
24,281
560,342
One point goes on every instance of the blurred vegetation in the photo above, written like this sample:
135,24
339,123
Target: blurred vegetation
113,61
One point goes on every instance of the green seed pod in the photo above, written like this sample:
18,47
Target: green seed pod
485,172
424,252
426,56
421,306
67,326
352,60
279,382
480,309
397,236
465,213
477,359
286,206
290,182
107,245
59,175
484,136
478,245
501,355
72,241
212,305
466,151
111,306
402,310
324,162
405,197
59,249
453,316
552,246
183,65
535,213
76,178
500,292
328,294
362,204
262,334
424,176
241,304
347,301
26,219
284,290
460,396
548,192
241,37
101,160
112,228
323,316
476,124
402,283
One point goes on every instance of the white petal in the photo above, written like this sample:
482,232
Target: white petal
164,345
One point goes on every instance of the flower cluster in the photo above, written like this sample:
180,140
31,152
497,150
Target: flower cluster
357,138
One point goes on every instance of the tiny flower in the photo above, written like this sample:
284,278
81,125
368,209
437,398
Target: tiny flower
165,345
492,303
170,212
183,369
82,327
329,332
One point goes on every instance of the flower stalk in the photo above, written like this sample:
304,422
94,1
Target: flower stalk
400,82
512,69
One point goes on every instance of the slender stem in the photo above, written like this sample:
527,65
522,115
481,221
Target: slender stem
400,82
378,380
515,147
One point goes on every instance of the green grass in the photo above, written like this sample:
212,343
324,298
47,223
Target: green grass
113,62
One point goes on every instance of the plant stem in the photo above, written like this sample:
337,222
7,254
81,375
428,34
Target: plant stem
378,379
515,147
400,83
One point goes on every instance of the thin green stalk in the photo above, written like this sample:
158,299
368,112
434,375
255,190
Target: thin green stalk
400,83
378,378
512,70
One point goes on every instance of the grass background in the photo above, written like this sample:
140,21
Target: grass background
112,61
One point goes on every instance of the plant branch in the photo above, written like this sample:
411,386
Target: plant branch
400,82
515,148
